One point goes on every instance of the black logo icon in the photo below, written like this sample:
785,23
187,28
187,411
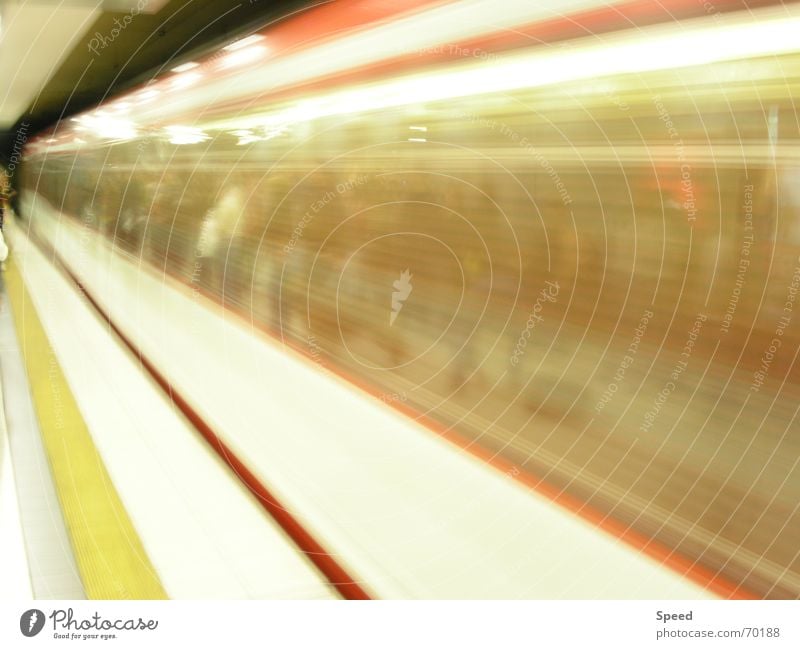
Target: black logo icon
31,622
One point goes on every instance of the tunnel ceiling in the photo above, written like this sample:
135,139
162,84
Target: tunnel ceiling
129,48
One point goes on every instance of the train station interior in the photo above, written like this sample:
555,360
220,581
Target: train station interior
399,299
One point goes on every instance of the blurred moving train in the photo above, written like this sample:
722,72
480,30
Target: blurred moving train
578,250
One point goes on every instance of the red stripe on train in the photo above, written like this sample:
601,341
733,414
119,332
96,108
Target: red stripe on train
595,21
672,559
335,573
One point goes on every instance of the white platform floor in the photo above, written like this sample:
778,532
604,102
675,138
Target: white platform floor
205,534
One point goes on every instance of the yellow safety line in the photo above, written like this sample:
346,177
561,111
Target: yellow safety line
111,559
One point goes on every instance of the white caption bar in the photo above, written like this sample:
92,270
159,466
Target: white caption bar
403,624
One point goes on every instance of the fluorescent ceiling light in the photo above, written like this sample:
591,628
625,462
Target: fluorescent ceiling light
178,134
185,67
243,42
185,79
643,51
243,56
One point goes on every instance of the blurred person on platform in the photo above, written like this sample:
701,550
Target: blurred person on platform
215,234
6,194
3,251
